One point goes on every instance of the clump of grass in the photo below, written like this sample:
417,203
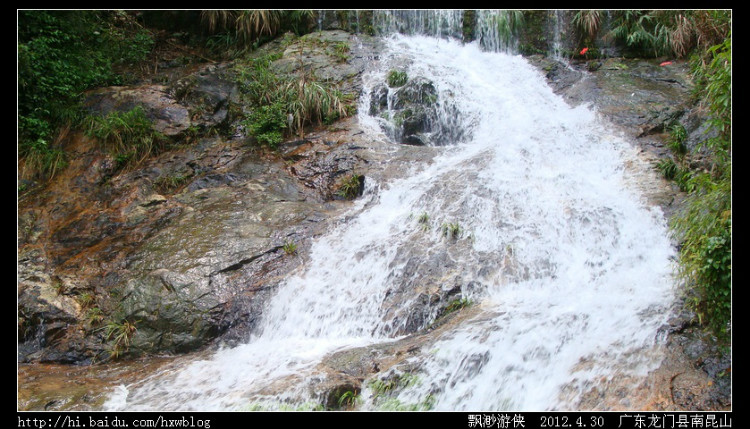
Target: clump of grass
588,21
244,26
676,142
350,187
682,176
290,248
86,299
119,334
94,316
40,159
424,221
282,105
129,136
457,304
393,404
348,399
341,51
170,182
451,230
391,383
397,78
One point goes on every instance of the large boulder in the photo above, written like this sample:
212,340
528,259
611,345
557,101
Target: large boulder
168,116
208,94
410,111
200,99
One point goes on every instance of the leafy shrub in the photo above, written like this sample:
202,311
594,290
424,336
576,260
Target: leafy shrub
283,105
457,304
669,32
704,227
424,221
348,399
246,26
60,55
267,123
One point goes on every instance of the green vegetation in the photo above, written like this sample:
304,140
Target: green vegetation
248,28
348,400
243,26
451,230
338,50
129,136
393,404
350,187
424,221
657,32
341,51
86,299
678,171
233,33
396,78
392,383
677,137
508,23
704,226
456,304
306,406
94,316
119,335
385,389
681,174
60,55
290,248
283,105
170,182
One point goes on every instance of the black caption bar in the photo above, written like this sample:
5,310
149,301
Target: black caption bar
431,419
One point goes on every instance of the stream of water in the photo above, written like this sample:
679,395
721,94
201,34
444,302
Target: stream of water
565,264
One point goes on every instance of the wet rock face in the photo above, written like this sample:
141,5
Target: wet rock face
186,246
208,94
199,100
169,117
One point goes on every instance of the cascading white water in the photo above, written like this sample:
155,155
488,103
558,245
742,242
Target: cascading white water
435,23
557,28
569,268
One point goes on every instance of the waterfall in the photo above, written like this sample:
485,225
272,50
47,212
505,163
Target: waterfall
494,29
557,30
567,269
435,23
